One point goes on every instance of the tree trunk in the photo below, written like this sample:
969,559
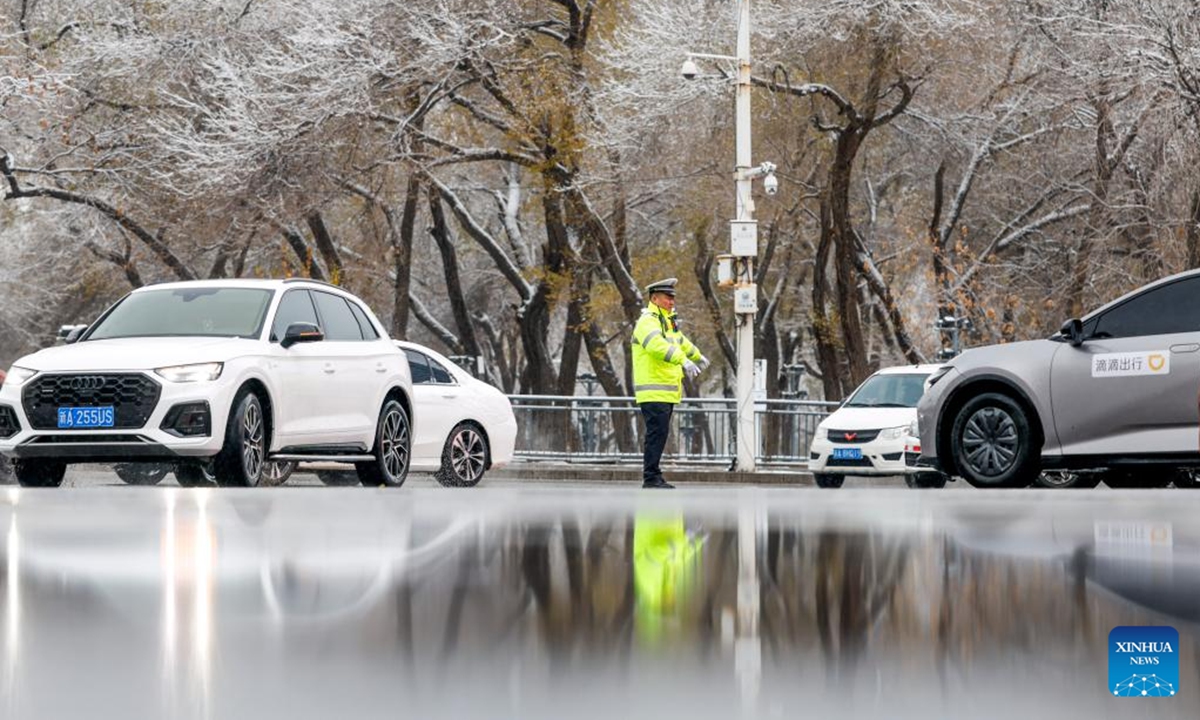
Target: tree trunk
402,258
703,270
846,256
308,264
822,326
325,246
454,289
1193,232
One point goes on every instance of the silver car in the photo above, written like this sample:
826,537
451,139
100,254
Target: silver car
1111,396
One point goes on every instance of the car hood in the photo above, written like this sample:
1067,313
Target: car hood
848,418
1021,353
136,353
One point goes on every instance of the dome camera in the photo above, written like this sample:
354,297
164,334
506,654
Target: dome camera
771,184
689,69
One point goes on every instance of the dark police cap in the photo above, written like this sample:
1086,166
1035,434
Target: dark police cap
666,287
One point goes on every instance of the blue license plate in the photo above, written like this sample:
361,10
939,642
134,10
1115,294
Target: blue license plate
85,417
847,453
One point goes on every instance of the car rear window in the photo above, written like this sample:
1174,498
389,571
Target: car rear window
418,364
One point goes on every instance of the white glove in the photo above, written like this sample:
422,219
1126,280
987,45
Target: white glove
690,369
704,363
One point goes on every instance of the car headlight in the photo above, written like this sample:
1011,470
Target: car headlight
199,372
18,375
895,433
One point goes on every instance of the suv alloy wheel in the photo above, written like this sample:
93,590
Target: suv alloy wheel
240,462
393,449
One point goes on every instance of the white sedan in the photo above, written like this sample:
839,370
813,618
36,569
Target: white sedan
868,433
463,426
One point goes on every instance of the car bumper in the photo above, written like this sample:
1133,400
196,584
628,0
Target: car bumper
879,457
503,438
149,442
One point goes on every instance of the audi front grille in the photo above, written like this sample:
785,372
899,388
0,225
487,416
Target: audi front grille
132,396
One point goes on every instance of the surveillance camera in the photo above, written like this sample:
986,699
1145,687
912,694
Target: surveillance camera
689,69
771,184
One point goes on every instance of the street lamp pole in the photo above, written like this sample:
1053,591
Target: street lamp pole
737,268
745,272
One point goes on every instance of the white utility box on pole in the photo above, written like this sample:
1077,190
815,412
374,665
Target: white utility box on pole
743,238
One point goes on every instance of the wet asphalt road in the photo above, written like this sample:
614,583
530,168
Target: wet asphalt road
531,600
89,476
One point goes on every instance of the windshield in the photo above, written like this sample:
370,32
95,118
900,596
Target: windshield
889,391
203,312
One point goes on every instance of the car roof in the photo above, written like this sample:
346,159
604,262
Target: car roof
925,369
406,345
259,283
1138,290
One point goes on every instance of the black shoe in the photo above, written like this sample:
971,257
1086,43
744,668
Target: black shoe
658,485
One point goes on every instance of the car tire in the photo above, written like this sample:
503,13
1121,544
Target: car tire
464,458
277,472
240,462
827,481
141,473
992,443
39,473
1140,479
393,449
925,480
191,474
1067,480
338,478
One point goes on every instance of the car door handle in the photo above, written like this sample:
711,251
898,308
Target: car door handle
449,396
380,368
329,369
1190,348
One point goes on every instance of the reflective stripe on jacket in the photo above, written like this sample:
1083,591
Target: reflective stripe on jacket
658,353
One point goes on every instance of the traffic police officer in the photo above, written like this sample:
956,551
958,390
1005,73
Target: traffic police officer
661,357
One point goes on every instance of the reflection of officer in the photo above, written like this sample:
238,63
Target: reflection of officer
665,561
661,356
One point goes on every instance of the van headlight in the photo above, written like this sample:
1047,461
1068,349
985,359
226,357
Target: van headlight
894,433
199,372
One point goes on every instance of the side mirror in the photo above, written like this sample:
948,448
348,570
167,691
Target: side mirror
74,335
301,332
1072,330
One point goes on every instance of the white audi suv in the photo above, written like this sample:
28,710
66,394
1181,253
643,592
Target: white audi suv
220,377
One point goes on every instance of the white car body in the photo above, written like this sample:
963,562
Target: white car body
879,434
443,405
321,398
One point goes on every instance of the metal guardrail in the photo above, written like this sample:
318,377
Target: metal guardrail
580,428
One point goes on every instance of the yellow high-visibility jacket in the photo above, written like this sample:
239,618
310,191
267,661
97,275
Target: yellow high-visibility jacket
659,349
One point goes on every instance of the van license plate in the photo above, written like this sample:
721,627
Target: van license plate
847,453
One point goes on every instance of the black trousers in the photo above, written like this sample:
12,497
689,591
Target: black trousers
658,424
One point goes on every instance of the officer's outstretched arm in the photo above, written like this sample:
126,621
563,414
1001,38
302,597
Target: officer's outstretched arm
649,336
691,351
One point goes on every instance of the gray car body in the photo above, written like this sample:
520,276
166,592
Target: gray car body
1081,420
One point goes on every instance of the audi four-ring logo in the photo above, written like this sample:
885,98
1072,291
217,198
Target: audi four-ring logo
85,383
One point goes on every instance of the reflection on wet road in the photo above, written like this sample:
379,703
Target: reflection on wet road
595,604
